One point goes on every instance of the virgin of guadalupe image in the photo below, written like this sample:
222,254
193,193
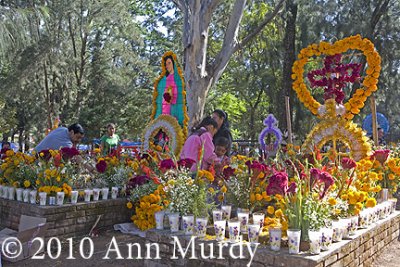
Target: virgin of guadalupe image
169,94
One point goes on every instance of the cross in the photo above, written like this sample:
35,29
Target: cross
270,121
334,76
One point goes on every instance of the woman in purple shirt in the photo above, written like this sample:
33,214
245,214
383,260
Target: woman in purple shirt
202,137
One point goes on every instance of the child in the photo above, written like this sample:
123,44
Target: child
221,148
202,136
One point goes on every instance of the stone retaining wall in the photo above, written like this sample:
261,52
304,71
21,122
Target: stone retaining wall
360,250
69,220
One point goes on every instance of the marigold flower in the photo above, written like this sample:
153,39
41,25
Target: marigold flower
27,183
278,213
129,205
371,202
332,201
224,189
271,210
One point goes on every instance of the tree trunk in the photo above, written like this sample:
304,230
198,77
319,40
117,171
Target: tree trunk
289,56
200,74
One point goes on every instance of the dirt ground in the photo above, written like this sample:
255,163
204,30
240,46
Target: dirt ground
388,258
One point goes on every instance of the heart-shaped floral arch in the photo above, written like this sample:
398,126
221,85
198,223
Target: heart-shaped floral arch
369,83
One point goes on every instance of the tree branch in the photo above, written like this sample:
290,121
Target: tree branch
180,4
221,60
260,27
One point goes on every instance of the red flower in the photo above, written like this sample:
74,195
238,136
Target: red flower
167,97
228,172
101,166
167,164
381,155
69,152
348,163
186,163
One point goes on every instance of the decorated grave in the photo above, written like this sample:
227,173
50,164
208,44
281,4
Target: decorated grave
308,196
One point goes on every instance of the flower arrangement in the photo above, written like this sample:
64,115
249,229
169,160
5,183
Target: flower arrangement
112,171
245,182
55,171
338,129
169,125
18,169
369,83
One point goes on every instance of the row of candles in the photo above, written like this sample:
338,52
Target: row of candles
320,239
31,196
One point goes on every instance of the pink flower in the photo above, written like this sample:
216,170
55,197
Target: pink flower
278,184
348,163
327,180
314,176
381,155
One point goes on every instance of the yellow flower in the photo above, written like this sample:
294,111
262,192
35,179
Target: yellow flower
332,201
278,213
221,197
211,190
271,210
224,189
259,197
284,225
27,183
371,202
129,205
252,197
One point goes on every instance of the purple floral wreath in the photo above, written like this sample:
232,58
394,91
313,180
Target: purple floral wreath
271,128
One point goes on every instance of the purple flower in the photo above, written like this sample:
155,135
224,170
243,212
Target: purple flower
314,176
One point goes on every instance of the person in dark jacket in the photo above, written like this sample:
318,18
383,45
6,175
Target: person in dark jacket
221,117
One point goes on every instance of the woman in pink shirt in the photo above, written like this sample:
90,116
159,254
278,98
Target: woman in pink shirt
201,138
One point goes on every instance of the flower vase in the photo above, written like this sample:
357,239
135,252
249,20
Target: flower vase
384,195
294,240
19,194
275,235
